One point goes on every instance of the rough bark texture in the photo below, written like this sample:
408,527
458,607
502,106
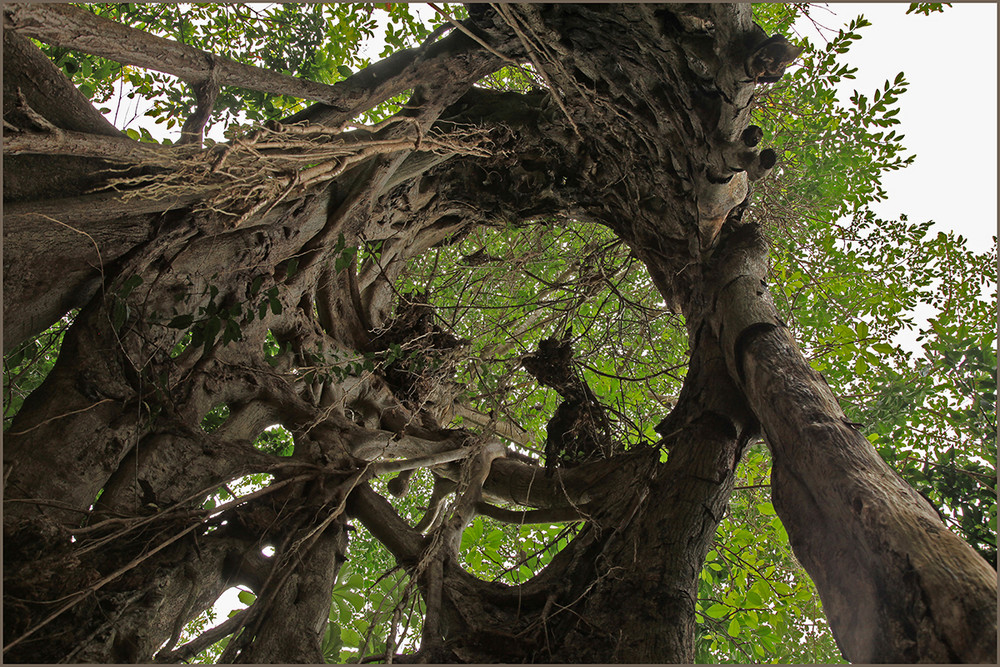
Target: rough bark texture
642,130
895,583
75,28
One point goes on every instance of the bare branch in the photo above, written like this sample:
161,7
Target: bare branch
524,517
64,142
74,28
421,462
205,639
385,524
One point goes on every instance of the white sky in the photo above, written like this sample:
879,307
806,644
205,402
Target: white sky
948,113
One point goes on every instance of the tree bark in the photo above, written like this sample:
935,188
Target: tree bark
294,623
80,30
36,91
125,619
641,608
897,586
638,128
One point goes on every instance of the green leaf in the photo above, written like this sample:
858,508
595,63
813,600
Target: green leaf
765,508
255,285
246,597
332,643
717,610
233,331
350,637
181,322
344,71
129,285
763,590
354,599
211,329
344,260
860,365
734,628
119,314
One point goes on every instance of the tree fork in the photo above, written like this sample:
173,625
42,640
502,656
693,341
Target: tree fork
596,576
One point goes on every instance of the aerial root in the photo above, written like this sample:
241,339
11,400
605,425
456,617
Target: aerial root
261,168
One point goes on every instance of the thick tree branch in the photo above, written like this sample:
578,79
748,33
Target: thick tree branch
504,429
877,551
420,462
372,445
453,62
382,520
205,92
78,29
525,517
519,483
443,487
30,73
204,640
61,142
471,487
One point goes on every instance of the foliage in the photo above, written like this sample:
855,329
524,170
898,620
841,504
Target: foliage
529,283
927,8
29,363
754,602
851,284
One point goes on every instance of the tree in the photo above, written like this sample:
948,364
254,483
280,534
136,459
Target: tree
517,262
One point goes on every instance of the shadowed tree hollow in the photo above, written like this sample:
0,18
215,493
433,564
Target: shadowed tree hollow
410,330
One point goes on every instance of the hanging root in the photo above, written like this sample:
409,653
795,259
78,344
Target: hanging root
258,170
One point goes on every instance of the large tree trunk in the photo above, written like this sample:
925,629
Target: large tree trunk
897,586
40,296
641,129
641,609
